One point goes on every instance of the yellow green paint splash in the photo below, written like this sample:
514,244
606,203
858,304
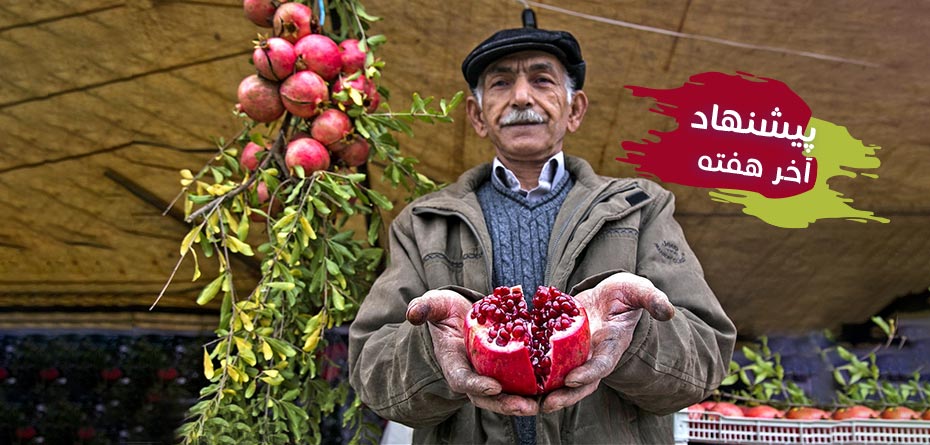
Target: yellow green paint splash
838,154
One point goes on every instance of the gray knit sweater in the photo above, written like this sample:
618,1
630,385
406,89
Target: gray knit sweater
520,232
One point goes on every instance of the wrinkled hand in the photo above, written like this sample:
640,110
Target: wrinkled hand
445,310
614,307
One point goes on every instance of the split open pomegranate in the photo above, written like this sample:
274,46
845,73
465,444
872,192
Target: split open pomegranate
528,350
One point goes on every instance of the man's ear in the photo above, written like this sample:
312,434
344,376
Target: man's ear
579,107
476,116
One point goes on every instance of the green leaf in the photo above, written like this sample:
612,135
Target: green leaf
380,200
730,380
456,100
845,354
882,324
291,395
210,290
243,231
374,228
332,267
376,40
338,300
226,310
283,286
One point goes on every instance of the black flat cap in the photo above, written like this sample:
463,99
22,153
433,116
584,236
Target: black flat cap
560,44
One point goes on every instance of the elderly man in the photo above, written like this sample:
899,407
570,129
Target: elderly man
535,216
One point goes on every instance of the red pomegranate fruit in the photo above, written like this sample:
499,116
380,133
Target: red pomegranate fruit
330,126
529,351
855,412
707,404
303,92
806,413
292,21
353,58
259,99
319,54
249,159
274,58
763,412
726,409
263,195
899,413
926,415
261,12
307,153
351,152
696,411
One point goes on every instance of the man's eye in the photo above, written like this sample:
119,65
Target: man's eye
499,83
543,80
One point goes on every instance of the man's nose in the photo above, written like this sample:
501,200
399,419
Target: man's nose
522,94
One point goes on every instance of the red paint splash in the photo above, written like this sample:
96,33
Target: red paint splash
740,99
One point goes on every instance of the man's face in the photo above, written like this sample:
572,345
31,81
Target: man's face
525,110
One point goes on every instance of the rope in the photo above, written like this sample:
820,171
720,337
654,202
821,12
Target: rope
685,35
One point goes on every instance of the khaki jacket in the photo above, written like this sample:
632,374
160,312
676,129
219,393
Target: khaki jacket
606,225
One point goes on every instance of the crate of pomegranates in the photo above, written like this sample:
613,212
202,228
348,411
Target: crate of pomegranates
698,425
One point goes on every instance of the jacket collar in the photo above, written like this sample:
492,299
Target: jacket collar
460,196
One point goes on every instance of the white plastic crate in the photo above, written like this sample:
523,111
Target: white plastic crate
713,428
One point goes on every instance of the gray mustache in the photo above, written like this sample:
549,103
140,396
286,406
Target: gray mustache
519,117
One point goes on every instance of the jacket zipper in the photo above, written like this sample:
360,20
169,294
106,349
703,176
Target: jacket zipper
602,197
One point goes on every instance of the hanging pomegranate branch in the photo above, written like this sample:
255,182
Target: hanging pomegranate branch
287,190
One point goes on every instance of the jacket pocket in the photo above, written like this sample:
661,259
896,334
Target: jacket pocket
613,247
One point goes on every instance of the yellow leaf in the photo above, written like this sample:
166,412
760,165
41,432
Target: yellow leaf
238,246
246,321
272,377
234,373
186,174
192,237
313,339
266,350
196,266
207,365
356,96
232,222
307,227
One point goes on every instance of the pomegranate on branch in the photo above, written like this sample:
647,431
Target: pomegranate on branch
319,54
352,151
249,158
274,58
330,127
261,12
352,57
303,92
292,21
308,153
260,99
